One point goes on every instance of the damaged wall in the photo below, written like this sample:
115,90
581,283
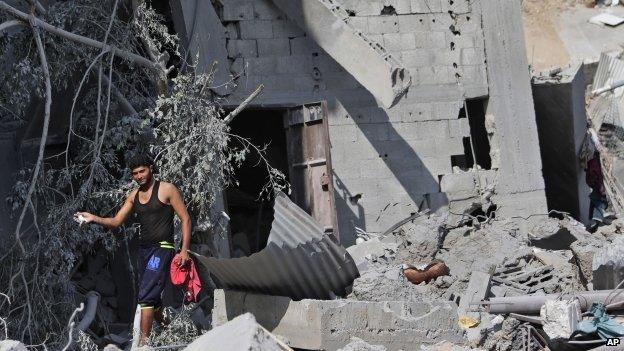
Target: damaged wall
388,163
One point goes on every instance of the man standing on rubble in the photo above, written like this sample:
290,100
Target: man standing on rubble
154,203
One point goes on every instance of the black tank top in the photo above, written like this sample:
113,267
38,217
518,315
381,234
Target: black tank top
156,219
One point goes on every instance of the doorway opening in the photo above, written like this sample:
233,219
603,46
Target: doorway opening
251,215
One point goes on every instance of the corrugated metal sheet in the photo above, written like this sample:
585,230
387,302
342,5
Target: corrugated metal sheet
299,261
608,107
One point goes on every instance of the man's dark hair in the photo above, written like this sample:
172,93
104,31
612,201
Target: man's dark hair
140,160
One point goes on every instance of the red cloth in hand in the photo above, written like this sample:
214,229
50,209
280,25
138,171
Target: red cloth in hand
186,275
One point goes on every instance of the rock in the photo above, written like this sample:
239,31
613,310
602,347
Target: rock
560,318
608,265
358,344
111,347
12,345
240,334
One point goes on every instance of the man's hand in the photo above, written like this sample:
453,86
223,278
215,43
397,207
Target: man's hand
84,218
183,258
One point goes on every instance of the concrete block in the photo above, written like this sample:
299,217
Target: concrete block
455,183
396,42
383,25
286,29
413,23
374,131
437,40
256,29
608,265
237,10
303,46
418,57
273,47
426,6
459,127
471,56
242,48
266,10
418,113
359,23
447,110
240,334
451,146
231,31
329,325
560,318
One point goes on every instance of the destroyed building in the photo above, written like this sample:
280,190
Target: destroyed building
394,120
376,109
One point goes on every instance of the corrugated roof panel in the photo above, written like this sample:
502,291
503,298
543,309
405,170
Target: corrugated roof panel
299,261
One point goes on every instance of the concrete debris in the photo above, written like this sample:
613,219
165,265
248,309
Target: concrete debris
608,265
12,345
330,324
550,234
111,347
447,346
358,344
560,318
240,334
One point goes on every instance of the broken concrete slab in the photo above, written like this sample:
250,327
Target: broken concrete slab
549,234
560,318
584,251
477,290
608,265
324,22
240,334
358,344
329,325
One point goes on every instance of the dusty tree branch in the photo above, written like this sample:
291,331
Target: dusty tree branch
125,105
244,104
12,23
134,58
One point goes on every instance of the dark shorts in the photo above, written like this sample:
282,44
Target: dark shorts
154,273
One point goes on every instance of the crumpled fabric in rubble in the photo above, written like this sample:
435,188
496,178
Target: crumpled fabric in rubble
601,323
187,276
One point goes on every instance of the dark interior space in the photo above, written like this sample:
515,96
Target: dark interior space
478,133
250,214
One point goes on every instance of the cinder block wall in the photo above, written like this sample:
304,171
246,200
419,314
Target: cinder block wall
386,162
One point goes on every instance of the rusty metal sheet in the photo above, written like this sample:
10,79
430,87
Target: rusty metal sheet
299,261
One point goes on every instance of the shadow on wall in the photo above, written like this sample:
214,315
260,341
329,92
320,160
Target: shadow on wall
403,184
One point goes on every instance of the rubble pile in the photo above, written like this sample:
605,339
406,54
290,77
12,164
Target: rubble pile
494,259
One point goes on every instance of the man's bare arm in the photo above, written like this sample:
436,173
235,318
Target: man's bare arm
175,198
111,222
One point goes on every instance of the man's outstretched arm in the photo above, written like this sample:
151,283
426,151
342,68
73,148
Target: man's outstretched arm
110,222
180,209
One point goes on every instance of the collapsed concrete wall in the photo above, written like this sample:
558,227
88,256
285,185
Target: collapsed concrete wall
388,162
